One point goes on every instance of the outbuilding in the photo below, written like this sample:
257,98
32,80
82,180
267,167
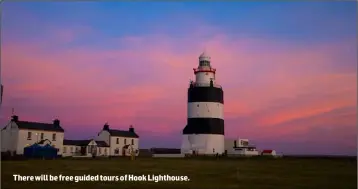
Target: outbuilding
268,153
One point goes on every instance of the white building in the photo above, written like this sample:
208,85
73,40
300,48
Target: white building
240,147
121,143
204,132
17,135
85,148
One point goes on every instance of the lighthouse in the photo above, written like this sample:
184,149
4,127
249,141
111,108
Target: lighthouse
204,132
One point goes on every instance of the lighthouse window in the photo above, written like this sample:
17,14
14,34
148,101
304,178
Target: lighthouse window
204,63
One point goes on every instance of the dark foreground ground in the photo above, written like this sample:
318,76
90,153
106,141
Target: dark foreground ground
293,173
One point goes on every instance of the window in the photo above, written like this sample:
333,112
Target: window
72,150
125,141
64,149
204,63
235,145
132,141
116,151
105,151
244,143
117,141
100,150
54,137
42,136
197,105
29,135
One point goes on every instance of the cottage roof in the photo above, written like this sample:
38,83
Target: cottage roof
31,125
102,144
39,126
267,151
121,133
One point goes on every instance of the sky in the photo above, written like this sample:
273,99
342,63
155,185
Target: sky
288,69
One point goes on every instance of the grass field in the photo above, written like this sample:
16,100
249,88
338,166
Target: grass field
203,173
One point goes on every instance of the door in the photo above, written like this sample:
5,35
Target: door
94,150
124,151
83,150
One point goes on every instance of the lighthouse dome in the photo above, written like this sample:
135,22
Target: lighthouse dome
204,57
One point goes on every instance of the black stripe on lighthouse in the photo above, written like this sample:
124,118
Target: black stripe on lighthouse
205,94
204,126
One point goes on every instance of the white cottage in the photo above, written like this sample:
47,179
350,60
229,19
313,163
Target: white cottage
85,148
17,135
121,143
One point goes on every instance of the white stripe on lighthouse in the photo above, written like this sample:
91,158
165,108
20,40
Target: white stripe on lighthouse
205,110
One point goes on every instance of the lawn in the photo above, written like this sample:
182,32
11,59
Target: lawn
203,173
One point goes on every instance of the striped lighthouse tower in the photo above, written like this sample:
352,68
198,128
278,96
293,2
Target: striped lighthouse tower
204,132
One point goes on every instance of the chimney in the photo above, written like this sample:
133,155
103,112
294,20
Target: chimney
56,122
15,118
131,129
106,127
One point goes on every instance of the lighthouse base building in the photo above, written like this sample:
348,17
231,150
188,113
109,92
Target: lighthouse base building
207,144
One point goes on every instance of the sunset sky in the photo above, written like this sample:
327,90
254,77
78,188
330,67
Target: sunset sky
288,69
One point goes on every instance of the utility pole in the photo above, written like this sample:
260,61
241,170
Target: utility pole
1,92
132,153
1,86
